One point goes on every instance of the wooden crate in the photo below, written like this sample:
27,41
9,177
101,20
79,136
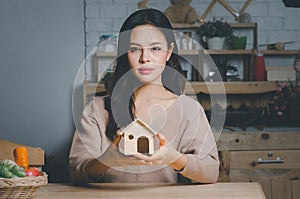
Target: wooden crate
281,73
35,154
270,158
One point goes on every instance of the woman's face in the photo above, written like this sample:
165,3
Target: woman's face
148,53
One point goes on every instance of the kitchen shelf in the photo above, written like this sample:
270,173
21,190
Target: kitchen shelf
256,94
229,52
247,55
189,52
105,54
217,52
279,52
114,54
197,25
231,87
207,87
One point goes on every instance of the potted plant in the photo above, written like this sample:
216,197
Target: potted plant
107,78
215,33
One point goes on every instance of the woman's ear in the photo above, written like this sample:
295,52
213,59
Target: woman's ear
170,51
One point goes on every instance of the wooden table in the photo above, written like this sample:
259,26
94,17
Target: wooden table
112,190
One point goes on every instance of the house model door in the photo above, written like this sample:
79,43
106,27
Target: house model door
143,145
138,138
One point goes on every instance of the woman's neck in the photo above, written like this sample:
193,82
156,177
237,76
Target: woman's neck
151,100
151,90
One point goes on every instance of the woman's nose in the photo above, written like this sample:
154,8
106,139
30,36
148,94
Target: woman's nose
144,58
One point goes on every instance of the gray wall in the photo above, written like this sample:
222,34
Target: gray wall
41,49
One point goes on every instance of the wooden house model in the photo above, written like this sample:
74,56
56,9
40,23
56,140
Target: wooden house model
138,138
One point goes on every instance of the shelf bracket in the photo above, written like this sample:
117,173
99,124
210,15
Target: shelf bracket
227,6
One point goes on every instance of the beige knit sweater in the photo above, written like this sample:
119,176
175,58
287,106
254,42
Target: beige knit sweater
185,126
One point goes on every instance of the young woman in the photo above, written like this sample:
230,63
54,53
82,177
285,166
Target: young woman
147,85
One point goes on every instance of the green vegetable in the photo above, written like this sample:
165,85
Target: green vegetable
9,169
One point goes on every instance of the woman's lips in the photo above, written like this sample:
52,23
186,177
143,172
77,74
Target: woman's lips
145,71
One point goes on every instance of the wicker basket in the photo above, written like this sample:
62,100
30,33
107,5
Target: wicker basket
26,187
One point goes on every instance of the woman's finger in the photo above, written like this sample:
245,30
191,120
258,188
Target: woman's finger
117,139
141,156
137,160
162,139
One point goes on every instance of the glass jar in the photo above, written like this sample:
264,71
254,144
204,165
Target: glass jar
107,43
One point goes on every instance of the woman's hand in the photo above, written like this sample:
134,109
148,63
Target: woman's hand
166,155
110,158
113,158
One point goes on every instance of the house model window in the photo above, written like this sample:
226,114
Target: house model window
138,138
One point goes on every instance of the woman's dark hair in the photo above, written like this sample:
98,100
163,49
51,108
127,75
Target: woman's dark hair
121,115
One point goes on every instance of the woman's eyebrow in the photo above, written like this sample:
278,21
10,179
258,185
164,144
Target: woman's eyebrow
136,44
155,43
151,44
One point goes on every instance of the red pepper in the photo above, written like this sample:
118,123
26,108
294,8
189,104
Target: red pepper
32,171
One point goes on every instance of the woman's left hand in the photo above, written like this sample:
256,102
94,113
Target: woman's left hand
166,155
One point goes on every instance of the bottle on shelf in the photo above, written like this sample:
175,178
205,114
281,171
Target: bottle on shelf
259,67
107,43
297,66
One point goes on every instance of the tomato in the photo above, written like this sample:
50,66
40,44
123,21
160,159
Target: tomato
32,171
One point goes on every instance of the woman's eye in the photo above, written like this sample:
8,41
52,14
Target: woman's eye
156,48
134,49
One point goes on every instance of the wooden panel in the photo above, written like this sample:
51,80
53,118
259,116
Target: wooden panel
281,189
270,159
259,140
296,189
35,155
189,52
146,191
232,87
105,54
224,166
276,183
267,188
286,185
278,180
259,175
197,25
228,52
280,52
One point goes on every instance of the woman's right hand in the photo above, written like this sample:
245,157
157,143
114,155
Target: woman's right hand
112,157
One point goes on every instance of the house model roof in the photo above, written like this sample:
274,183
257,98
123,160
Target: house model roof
139,122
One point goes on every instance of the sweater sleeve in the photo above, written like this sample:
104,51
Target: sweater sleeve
199,144
88,141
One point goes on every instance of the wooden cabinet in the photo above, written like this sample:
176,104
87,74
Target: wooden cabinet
270,158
